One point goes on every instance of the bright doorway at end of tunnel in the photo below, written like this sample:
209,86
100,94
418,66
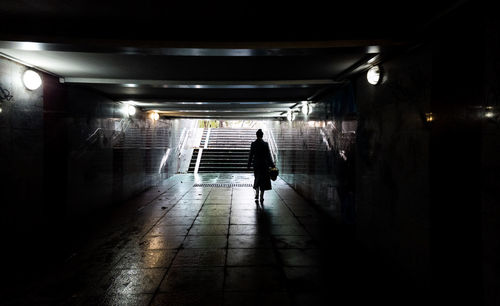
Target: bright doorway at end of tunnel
223,146
234,124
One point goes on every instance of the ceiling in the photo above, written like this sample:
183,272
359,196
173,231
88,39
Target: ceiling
201,61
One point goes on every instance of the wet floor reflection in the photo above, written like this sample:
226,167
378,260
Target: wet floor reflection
209,245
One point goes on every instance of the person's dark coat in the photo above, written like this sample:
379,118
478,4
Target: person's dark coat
260,158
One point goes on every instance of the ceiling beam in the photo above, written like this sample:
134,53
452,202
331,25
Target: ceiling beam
198,109
246,116
194,48
200,84
159,102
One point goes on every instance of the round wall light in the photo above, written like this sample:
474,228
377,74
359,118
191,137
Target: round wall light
128,110
306,108
489,115
373,75
131,110
32,80
154,116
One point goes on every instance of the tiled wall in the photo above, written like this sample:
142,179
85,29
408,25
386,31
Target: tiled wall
124,162
53,177
392,172
316,154
426,193
362,156
21,150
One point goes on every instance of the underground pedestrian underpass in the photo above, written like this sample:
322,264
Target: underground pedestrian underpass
125,132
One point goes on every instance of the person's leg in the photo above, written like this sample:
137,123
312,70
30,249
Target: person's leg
262,195
257,193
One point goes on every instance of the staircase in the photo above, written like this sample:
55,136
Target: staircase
145,138
226,150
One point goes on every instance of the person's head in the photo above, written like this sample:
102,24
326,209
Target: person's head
259,133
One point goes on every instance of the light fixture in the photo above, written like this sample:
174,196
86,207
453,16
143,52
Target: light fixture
128,110
154,116
429,117
32,80
306,108
131,110
373,75
489,114
289,115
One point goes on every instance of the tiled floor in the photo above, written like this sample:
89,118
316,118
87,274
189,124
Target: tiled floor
184,245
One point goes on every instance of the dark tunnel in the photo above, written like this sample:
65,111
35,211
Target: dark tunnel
132,173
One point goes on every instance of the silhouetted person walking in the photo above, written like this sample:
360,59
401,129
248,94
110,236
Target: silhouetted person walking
260,155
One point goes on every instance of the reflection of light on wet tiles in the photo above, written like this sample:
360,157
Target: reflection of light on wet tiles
249,242
244,220
200,257
164,230
146,259
250,257
136,281
208,229
162,242
247,230
204,242
193,279
228,235
212,220
139,299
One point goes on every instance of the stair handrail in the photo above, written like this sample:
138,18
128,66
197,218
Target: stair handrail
88,142
325,138
182,140
98,134
273,146
184,137
117,134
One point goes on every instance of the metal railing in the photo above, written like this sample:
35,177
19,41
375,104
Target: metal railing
272,145
98,136
89,142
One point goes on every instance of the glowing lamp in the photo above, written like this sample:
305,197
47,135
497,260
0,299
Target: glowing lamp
154,116
373,75
306,108
128,110
131,110
32,80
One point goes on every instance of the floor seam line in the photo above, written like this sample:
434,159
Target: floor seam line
163,215
227,246
180,247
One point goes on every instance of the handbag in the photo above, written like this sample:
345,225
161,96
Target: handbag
273,173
